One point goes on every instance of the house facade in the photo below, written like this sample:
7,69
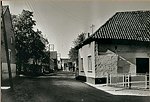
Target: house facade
64,64
119,46
67,65
11,45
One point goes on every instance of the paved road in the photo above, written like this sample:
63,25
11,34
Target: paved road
61,88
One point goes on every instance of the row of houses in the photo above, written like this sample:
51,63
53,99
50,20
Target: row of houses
121,45
6,27
55,63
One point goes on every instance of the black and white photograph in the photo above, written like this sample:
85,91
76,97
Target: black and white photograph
75,51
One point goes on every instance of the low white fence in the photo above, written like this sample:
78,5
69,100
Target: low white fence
138,81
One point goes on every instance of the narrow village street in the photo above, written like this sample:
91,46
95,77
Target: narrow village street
60,87
75,51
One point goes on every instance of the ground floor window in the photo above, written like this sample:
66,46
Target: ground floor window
82,64
89,63
9,51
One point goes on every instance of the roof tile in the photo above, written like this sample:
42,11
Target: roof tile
126,25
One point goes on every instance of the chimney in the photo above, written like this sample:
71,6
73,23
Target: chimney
88,34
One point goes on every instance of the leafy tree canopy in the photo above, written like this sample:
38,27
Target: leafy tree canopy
73,53
79,39
30,44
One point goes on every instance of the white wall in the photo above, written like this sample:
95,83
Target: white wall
5,74
84,52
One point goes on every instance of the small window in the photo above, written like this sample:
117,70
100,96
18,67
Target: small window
82,64
9,51
11,40
89,63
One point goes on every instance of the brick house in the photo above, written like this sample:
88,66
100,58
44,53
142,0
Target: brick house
121,45
11,45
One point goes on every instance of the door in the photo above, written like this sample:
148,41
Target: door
142,65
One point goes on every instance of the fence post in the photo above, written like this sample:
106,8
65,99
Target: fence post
108,79
129,81
123,80
147,81
117,79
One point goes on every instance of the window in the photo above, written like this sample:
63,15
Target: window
9,51
89,63
11,40
82,65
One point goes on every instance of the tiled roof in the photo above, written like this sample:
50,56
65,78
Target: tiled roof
133,25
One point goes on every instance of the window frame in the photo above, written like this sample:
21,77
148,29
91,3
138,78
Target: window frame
11,39
9,52
82,68
89,63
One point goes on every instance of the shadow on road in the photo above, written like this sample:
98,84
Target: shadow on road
61,87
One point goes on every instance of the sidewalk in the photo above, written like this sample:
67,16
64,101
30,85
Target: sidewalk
121,91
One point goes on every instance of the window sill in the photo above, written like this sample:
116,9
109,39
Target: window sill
90,71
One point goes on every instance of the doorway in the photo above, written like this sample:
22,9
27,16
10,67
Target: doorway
142,65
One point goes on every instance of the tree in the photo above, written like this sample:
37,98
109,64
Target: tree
46,58
80,38
37,47
73,53
30,44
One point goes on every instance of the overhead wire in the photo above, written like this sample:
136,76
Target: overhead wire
63,10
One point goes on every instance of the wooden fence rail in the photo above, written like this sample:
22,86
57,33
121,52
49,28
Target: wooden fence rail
127,80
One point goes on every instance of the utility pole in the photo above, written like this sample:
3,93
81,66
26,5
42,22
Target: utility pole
92,27
6,49
49,57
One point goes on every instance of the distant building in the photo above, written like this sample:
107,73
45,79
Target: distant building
67,65
59,65
64,64
11,44
121,45
53,56
52,64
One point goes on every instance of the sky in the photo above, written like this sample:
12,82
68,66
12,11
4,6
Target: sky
61,21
